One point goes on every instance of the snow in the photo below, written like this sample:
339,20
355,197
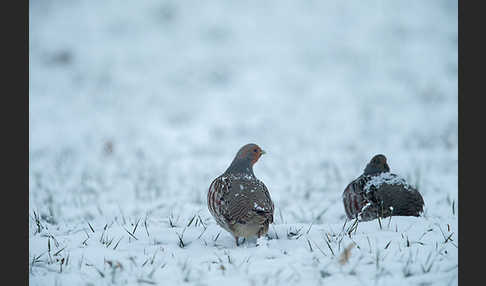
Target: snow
135,107
388,178
257,207
367,205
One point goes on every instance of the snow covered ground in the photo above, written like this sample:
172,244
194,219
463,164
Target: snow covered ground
136,106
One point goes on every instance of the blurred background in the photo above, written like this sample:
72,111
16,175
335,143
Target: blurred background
136,106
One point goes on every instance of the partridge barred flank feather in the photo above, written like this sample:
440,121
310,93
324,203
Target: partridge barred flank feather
379,193
238,201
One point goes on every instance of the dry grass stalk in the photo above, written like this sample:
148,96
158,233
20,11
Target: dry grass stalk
346,254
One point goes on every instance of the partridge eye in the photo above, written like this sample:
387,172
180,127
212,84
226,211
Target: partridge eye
255,150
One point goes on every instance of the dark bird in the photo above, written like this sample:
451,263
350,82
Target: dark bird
379,193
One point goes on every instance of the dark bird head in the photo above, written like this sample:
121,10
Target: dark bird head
377,165
246,157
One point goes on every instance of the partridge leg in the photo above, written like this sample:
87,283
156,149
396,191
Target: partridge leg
236,238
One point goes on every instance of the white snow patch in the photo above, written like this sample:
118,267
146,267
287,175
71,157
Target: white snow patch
387,178
257,207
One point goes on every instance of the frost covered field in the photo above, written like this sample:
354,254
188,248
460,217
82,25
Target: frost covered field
136,106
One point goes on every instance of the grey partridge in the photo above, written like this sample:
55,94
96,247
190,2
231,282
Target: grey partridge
238,201
379,193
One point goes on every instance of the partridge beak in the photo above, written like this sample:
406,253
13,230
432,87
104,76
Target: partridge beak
263,152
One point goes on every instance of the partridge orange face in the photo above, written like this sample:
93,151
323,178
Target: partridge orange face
251,152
